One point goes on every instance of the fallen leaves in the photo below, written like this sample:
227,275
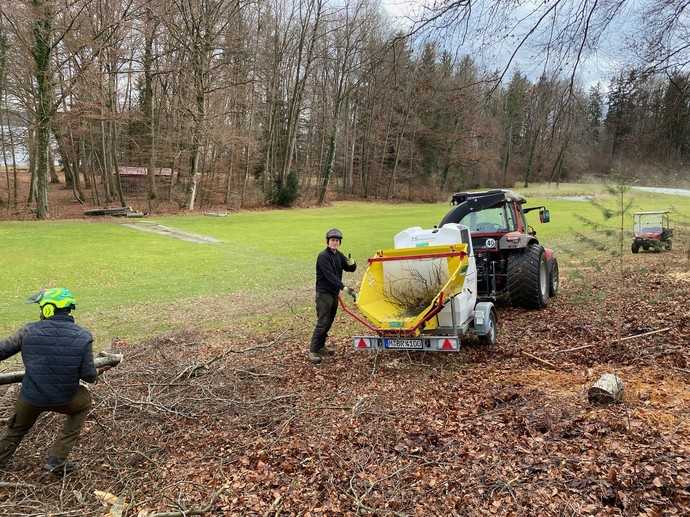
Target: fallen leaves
484,431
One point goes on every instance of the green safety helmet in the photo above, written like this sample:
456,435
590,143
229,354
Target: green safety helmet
54,298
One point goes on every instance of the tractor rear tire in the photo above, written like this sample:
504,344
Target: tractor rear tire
635,247
669,245
528,278
554,279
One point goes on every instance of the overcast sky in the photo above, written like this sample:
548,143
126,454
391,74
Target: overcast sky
597,65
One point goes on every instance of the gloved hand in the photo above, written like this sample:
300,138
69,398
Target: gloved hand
351,292
350,260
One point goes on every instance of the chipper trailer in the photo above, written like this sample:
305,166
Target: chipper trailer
422,294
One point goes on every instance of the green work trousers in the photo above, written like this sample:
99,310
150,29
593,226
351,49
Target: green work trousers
25,416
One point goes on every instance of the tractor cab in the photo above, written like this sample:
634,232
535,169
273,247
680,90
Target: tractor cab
652,231
511,264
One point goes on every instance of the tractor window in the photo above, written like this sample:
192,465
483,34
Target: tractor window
499,219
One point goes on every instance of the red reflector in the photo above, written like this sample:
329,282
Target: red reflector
447,345
361,343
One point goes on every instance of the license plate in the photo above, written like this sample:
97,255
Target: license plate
404,344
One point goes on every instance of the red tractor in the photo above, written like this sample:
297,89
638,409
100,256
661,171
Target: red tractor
512,266
652,231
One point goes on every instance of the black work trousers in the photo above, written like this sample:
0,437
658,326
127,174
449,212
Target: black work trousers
326,308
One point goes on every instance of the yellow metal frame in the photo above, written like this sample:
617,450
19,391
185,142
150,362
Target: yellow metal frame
383,314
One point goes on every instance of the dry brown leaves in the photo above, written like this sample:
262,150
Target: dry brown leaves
186,425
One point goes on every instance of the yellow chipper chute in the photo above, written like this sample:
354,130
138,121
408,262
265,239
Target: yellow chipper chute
404,289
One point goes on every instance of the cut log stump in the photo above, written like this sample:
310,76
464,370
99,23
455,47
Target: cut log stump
608,389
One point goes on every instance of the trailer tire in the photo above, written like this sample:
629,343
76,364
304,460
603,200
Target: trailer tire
489,339
528,278
554,279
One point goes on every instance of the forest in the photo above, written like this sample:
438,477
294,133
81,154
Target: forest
242,104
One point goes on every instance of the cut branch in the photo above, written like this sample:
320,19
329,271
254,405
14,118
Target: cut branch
103,360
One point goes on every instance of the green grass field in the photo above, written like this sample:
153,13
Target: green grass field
131,284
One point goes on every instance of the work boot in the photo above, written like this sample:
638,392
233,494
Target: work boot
59,466
325,352
314,357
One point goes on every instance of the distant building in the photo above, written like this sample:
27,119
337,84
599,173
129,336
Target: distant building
134,178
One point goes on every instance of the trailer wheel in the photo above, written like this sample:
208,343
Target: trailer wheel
489,338
528,278
554,279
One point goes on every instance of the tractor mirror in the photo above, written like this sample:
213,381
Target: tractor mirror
544,216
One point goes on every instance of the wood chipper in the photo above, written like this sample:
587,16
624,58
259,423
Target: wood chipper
422,294
652,231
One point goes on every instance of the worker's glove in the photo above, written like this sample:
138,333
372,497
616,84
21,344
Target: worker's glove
350,260
351,292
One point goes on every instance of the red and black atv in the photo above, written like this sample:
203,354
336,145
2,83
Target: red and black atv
652,231
512,266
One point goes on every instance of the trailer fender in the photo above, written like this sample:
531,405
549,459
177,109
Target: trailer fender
482,315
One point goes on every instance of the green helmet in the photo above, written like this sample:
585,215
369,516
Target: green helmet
58,297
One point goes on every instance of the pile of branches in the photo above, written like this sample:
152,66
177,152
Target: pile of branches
414,291
147,414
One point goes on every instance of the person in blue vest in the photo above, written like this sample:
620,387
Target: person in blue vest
57,354
330,265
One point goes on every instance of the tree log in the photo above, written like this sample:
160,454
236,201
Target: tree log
102,360
608,389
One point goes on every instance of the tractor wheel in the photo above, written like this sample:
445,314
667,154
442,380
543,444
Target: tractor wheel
554,279
635,247
528,278
489,339
669,245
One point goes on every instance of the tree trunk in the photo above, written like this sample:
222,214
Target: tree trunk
14,166
228,176
42,141
330,160
506,159
116,165
104,163
102,360
4,160
148,106
530,160
54,178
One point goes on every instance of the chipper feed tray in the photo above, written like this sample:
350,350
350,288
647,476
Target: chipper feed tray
404,289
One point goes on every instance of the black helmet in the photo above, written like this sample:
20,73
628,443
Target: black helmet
334,233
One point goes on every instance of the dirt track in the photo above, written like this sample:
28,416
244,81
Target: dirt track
485,431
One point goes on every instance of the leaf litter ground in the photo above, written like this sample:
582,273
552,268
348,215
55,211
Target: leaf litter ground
245,426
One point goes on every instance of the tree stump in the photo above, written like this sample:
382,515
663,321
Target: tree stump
608,389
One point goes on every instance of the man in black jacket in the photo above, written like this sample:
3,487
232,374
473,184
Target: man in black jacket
330,265
57,353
